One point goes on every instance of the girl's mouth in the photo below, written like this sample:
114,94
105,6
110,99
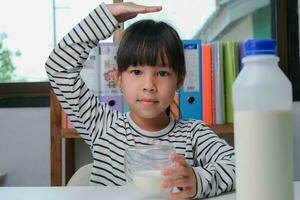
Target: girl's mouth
148,101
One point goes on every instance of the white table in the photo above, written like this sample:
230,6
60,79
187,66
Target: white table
87,192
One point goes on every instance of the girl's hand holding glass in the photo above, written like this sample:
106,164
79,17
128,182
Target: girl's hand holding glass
182,176
142,168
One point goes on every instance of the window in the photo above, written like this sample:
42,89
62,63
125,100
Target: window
286,29
35,32
28,39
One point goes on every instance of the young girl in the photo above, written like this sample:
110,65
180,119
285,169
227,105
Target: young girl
151,67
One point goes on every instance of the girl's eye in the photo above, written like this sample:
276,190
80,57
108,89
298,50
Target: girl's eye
136,72
163,73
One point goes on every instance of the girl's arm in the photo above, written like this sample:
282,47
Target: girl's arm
213,172
216,171
65,62
63,68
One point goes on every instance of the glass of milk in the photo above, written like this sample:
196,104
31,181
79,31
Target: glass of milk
142,168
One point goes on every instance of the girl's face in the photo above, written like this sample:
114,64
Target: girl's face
148,91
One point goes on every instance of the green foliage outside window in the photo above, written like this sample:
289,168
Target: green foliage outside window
7,67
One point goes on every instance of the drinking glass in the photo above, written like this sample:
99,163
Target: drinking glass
142,168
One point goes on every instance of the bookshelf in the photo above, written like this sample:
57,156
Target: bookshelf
69,133
58,133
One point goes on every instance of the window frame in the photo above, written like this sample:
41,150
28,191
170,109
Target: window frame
284,20
24,94
286,30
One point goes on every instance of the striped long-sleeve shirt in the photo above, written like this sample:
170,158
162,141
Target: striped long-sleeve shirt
109,132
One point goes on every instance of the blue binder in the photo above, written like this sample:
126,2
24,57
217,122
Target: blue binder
190,94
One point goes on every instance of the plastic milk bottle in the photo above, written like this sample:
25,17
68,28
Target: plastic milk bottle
262,101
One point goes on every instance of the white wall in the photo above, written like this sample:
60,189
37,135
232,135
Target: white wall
25,146
239,30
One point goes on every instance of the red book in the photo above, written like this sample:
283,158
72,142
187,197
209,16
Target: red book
207,84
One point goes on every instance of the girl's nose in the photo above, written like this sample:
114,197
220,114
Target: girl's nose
149,84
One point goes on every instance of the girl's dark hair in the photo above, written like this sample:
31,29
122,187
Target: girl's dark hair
151,43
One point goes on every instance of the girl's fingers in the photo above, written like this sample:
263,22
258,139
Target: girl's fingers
176,182
186,193
125,11
179,168
135,8
175,171
181,176
151,9
179,159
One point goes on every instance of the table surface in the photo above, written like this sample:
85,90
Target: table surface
88,192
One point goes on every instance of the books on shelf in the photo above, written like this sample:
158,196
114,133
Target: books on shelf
211,71
190,94
207,84
109,91
241,54
218,82
90,71
230,64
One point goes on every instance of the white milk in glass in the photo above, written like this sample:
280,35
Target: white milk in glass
148,183
264,171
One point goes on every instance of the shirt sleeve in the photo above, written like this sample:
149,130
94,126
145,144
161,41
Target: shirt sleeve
215,169
63,67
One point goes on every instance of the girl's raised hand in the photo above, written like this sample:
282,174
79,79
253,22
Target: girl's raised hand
125,11
181,176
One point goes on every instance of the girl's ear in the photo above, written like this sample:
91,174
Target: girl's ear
180,82
117,76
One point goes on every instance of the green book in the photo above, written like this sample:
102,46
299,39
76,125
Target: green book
230,69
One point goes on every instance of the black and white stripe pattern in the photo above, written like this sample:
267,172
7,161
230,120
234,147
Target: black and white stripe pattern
109,132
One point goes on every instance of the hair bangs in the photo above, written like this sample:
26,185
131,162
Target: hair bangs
150,53
151,43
